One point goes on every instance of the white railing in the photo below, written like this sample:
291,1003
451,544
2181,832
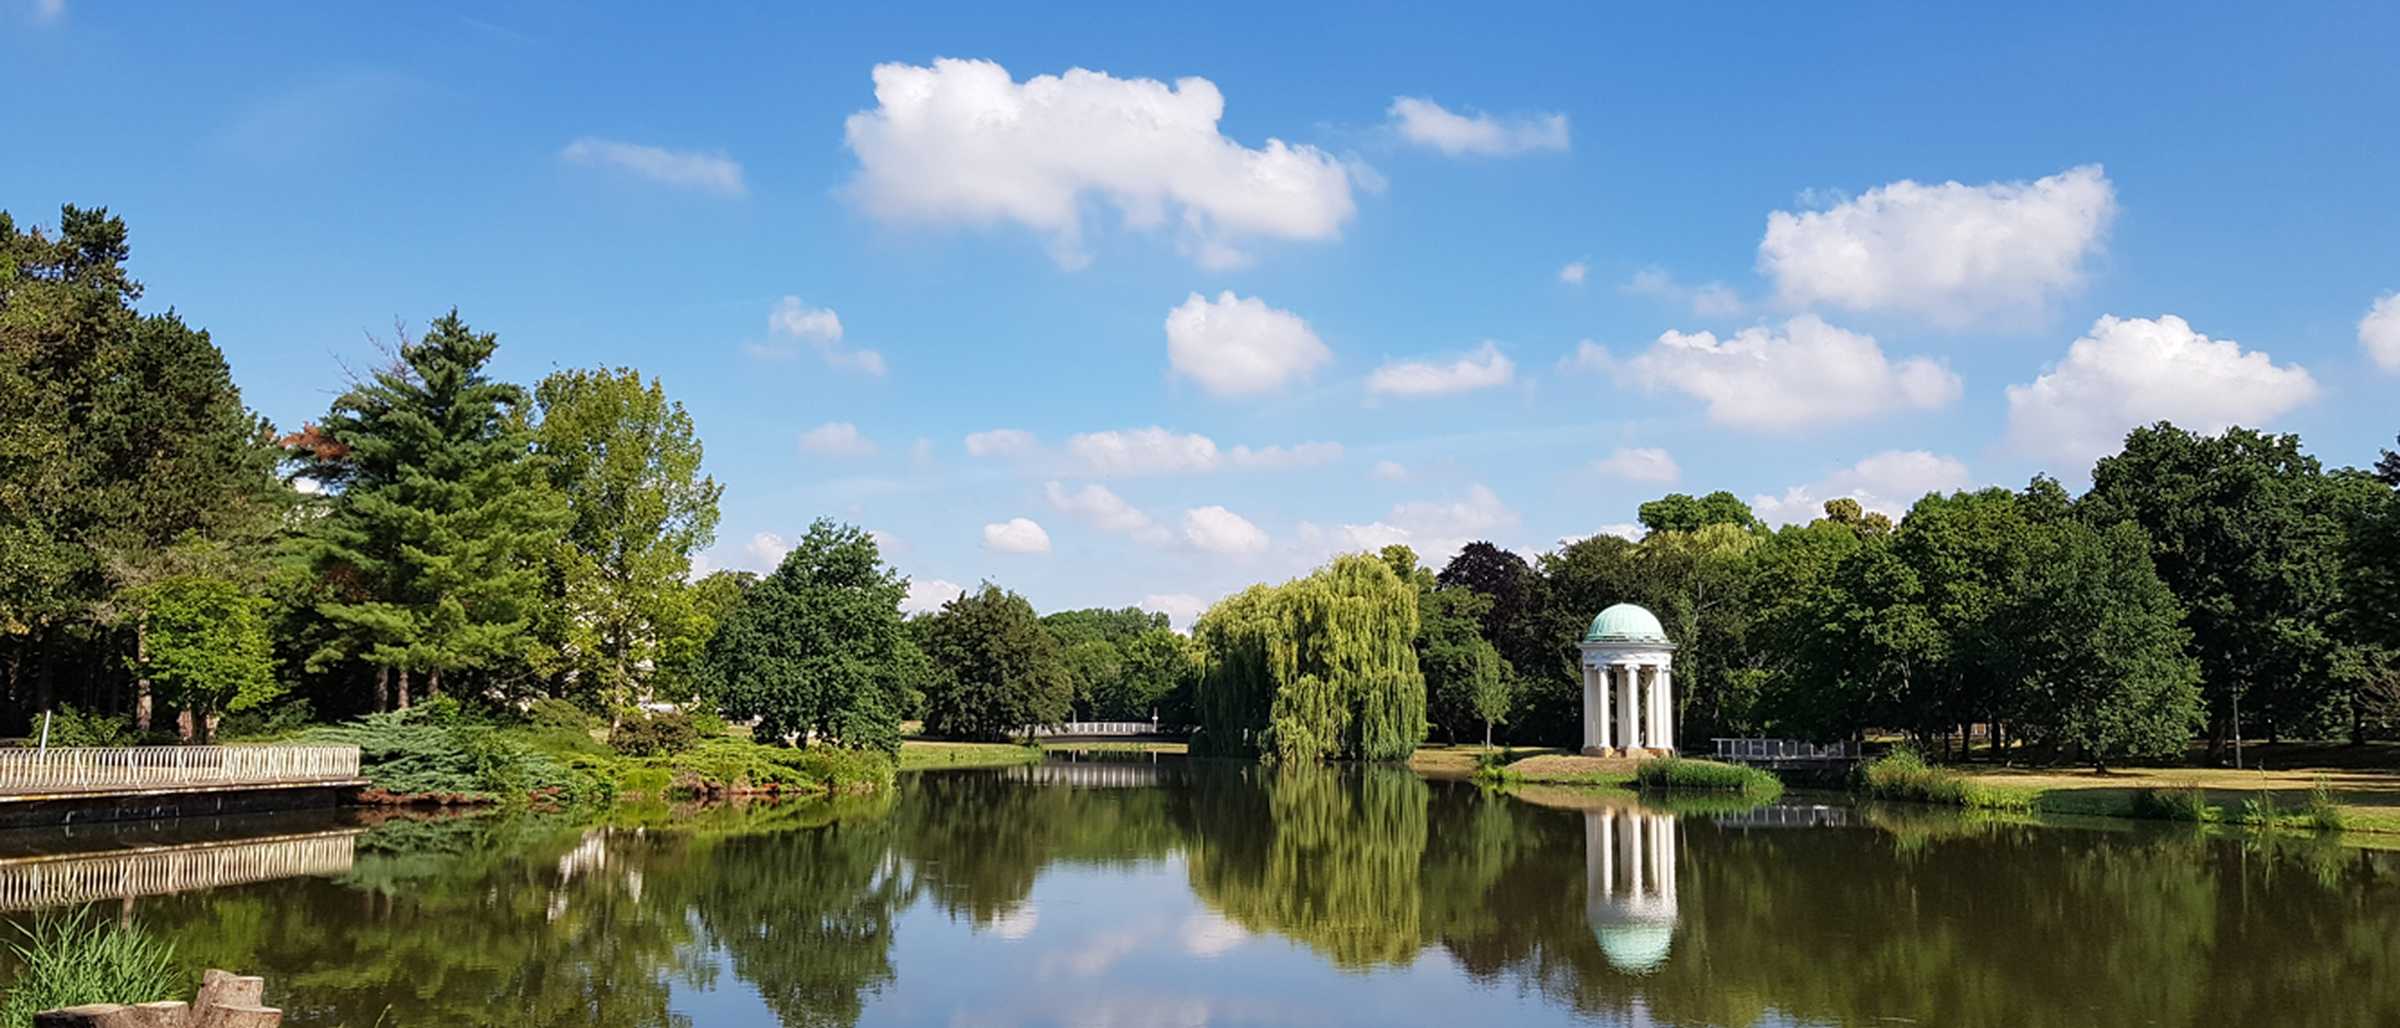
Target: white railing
78,768
1096,728
38,883
1745,750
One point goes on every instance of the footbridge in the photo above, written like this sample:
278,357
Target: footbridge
70,784
56,880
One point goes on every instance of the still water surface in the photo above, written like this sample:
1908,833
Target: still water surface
1202,894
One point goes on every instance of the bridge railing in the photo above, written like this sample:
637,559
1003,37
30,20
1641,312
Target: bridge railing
42,882
81,768
1748,750
1100,728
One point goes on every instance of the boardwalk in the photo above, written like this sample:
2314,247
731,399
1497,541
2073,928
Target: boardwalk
67,770
1098,730
36,883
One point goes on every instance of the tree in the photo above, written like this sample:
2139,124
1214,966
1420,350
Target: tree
1514,622
440,520
1494,689
1680,512
816,651
1316,668
626,463
207,648
1697,582
1452,653
1579,580
1801,618
2103,660
997,669
1160,669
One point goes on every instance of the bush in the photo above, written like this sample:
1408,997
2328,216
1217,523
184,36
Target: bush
644,734
75,958
2184,802
550,712
72,727
271,721
435,751
1674,773
2322,813
1904,775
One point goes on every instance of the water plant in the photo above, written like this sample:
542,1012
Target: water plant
65,959
2321,812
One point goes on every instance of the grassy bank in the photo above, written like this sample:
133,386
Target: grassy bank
930,754
2286,799
1678,774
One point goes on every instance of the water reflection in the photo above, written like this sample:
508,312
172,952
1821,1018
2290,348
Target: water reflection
1206,894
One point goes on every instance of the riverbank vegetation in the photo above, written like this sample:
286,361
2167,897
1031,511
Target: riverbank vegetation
63,959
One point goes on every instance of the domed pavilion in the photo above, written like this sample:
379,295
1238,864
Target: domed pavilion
1628,685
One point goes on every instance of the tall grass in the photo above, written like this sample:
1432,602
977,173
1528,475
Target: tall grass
1677,773
1904,775
2184,802
2321,813
72,958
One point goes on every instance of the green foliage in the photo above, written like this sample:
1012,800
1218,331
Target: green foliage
2320,811
2262,812
1904,775
816,651
72,727
999,670
2100,641
436,752
653,733
206,646
1320,667
78,957
626,462
1680,512
283,718
1676,773
2185,802
1455,657
551,712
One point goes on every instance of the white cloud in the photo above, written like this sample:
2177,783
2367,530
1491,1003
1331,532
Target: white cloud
1436,529
2379,332
1589,357
1285,458
1181,609
1016,535
1640,464
1105,510
765,550
1707,300
1217,530
1949,253
1154,450
1573,274
928,594
1630,531
1427,123
1000,442
2128,372
1483,368
1390,471
961,142
1809,373
1235,346
921,452
708,172
1208,934
818,329
1889,482
837,439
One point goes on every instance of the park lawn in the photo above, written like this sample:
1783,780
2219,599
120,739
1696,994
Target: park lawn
2369,799
925,754
1448,760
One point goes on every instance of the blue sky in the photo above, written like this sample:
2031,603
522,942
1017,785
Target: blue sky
1370,275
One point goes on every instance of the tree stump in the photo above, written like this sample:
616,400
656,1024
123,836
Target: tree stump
226,1000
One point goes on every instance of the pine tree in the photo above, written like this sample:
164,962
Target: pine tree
432,544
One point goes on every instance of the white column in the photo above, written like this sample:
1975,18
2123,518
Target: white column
1599,854
1629,725
1629,854
1595,711
1666,706
1666,863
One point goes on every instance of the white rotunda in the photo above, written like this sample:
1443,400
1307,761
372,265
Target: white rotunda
1628,685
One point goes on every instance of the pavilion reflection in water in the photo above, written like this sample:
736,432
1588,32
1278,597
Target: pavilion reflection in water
1629,884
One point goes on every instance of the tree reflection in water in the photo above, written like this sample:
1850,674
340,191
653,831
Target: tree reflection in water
1594,905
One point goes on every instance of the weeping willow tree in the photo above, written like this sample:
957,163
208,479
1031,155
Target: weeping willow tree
1317,668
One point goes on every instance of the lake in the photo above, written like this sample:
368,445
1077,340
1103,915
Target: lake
1199,893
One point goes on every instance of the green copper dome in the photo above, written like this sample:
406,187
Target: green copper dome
1626,623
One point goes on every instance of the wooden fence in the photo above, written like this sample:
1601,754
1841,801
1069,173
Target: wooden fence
94,769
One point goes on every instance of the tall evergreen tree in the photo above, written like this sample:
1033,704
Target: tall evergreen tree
626,462
433,544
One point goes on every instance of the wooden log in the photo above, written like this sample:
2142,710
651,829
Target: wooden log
88,1015
245,1015
226,989
163,1014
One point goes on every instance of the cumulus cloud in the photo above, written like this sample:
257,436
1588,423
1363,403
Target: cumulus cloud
1588,358
707,172
1427,123
961,142
1234,346
1950,253
1154,451
1181,609
2128,372
1707,300
1484,368
1436,529
1573,274
1016,535
1889,482
1097,506
837,439
765,550
1000,442
1214,529
2379,332
926,595
1640,464
1806,373
816,329
1390,470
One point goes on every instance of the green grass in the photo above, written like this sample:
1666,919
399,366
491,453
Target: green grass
922,755
1682,774
1903,775
68,959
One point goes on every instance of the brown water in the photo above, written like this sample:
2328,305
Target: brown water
1203,894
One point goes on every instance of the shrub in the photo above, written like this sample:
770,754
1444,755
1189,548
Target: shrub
2261,811
72,727
550,712
75,958
1675,773
2185,802
436,751
644,734
2322,813
1904,775
270,721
